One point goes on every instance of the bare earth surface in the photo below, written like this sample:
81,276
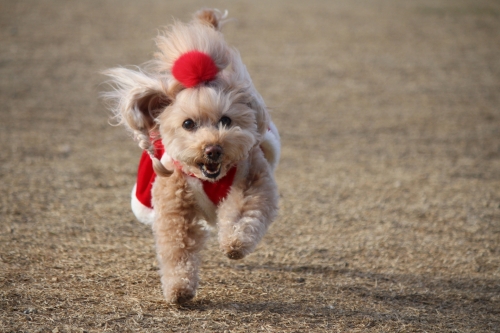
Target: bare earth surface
389,113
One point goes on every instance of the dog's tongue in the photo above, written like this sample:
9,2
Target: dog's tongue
212,167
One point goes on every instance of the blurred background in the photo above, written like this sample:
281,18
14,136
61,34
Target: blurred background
389,113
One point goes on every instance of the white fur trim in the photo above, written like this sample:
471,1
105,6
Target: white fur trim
144,214
271,146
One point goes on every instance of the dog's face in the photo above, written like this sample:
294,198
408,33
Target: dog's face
208,124
208,129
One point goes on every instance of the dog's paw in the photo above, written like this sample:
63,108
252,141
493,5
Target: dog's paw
235,254
179,296
237,240
178,290
236,250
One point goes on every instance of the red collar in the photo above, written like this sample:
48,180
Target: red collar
215,191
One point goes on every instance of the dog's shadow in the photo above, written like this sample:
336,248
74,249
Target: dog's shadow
202,303
378,300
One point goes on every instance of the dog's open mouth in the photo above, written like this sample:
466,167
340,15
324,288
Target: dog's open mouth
210,170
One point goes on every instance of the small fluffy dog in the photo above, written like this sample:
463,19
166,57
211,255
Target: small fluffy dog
210,149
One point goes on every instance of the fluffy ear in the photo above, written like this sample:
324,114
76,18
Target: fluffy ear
261,113
137,98
239,76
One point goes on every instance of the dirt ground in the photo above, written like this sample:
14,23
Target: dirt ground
389,113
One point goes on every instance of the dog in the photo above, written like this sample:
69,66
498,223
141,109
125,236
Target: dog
209,146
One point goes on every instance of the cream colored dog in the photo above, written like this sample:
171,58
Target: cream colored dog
207,134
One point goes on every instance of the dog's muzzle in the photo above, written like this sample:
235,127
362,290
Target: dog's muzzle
211,168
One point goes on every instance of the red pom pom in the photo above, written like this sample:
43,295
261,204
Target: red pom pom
193,68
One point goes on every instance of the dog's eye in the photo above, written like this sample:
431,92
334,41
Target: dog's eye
188,124
225,121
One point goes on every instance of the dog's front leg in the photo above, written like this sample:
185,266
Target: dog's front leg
179,237
249,209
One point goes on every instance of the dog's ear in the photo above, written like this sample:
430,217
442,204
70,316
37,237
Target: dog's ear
239,77
261,112
137,98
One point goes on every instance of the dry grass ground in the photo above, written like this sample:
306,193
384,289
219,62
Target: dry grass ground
390,176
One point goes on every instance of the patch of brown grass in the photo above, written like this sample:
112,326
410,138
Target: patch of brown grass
390,183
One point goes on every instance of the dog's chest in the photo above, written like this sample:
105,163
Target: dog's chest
209,195
203,202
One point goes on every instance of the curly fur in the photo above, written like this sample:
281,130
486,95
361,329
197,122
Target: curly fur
153,105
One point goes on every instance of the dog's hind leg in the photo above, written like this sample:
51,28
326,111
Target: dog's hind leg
179,238
249,209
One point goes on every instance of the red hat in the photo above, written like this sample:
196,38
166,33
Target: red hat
194,67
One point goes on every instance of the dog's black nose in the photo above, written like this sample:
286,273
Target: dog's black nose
213,152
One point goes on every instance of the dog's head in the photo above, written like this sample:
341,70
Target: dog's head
197,96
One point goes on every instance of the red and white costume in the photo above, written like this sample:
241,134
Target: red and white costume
208,194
